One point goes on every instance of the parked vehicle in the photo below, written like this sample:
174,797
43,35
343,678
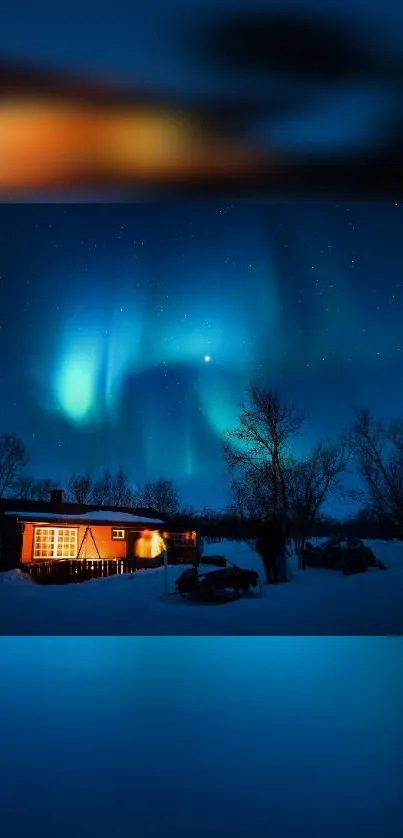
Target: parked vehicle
217,584
347,555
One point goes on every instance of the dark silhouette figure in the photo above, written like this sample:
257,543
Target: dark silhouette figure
270,544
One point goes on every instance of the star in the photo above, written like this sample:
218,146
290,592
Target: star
207,358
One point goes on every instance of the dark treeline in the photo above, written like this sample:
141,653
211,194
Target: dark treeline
223,526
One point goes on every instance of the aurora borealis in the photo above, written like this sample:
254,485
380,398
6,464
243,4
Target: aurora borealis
128,333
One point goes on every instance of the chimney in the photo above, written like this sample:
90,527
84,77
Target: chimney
56,496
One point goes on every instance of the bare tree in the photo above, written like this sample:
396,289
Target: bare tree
80,488
122,493
32,488
44,488
187,510
161,495
103,488
112,489
250,495
258,449
378,450
311,481
267,477
25,487
108,490
238,499
249,499
13,459
208,513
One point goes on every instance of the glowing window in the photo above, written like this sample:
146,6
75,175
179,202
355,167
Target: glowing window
55,543
118,535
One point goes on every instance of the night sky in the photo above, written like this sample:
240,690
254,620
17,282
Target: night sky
128,333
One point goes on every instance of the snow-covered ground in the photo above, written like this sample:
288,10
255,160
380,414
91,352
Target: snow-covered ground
316,602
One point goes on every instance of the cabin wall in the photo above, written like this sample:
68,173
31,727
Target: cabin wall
107,548
10,537
18,542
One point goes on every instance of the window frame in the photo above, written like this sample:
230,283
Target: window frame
118,537
56,531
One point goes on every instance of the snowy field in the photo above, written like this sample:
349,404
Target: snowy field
316,602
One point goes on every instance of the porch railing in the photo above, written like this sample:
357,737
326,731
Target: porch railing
65,571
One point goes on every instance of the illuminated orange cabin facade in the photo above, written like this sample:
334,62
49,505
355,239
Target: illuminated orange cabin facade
35,532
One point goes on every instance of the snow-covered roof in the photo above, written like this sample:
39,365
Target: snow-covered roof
103,515
123,517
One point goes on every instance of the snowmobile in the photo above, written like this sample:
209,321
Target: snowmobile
347,555
216,584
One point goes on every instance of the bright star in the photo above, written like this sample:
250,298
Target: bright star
207,358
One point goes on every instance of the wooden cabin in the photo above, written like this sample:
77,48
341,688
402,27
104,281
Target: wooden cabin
59,541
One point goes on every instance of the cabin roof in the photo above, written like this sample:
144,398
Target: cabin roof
101,516
50,510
